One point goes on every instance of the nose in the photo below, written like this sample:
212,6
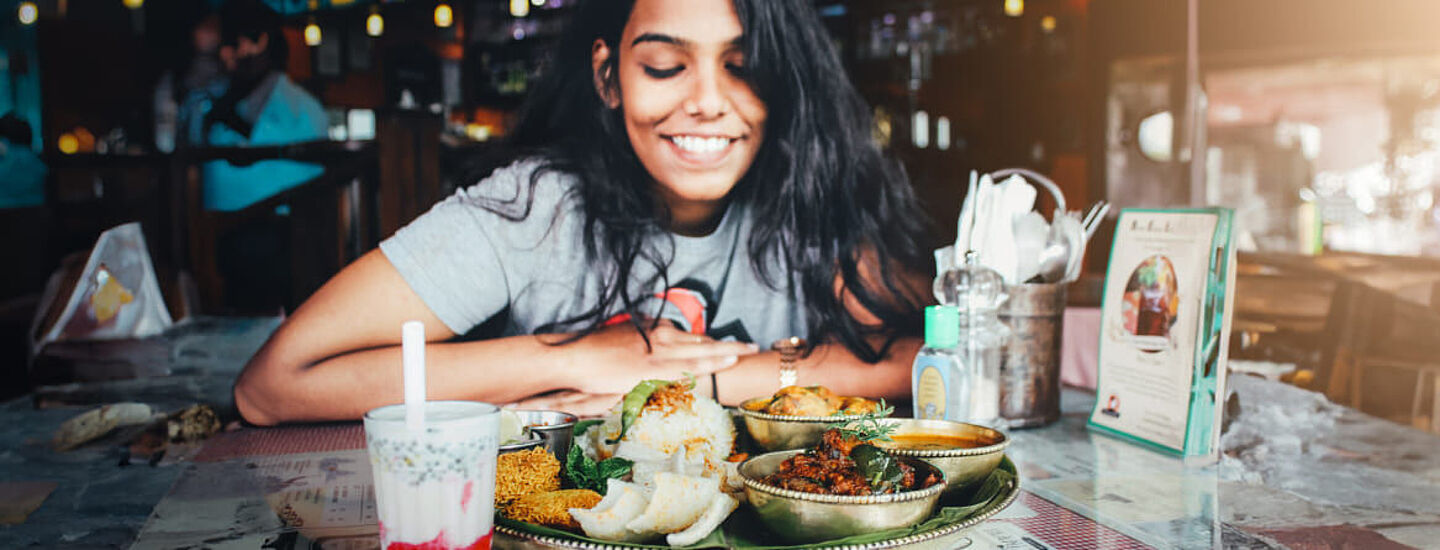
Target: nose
707,95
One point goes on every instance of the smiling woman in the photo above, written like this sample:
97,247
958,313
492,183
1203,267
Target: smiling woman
688,180
691,116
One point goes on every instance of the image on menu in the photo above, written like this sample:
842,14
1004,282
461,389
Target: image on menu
1151,303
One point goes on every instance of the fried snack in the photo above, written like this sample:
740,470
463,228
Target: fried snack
524,473
857,405
552,509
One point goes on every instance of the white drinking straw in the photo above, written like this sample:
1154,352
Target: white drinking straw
412,356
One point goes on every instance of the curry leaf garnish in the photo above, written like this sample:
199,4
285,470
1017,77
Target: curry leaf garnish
878,467
585,473
868,427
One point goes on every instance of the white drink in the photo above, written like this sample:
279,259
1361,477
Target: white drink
434,490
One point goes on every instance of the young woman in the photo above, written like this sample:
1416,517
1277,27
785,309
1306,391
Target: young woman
694,181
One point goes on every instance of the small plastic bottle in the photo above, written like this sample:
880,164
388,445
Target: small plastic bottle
977,293
938,387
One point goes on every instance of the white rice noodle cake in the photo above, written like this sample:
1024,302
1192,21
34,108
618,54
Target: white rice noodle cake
623,502
677,503
720,507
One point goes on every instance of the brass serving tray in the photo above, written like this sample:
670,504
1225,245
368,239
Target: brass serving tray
943,536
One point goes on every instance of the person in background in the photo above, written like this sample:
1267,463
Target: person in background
693,181
185,92
22,173
261,106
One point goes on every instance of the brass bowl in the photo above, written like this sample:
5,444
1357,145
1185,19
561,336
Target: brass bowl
807,517
780,432
963,466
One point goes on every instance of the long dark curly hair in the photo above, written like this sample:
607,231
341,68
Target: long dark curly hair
822,193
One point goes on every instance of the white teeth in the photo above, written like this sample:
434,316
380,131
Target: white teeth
696,144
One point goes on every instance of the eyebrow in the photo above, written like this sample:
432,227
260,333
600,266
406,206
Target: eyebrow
674,40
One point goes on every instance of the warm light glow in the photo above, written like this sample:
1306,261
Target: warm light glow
1047,24
375,25
920,129
519,8
28,13
444,16
68,143
478,132
134,4
538,2
1014,8
942,133
312,35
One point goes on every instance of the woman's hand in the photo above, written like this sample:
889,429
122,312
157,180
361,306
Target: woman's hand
613,359
583,405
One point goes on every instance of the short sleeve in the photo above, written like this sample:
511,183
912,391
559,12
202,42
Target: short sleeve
447,258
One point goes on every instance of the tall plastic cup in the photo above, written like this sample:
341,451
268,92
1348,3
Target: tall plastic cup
434,489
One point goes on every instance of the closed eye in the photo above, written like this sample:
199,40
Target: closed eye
656,73
738,70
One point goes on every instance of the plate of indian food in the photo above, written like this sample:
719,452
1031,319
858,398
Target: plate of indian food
795,416
661,471
652,472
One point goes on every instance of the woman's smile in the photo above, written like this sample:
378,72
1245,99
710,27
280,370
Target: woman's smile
701,150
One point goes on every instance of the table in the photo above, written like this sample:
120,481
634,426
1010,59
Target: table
96,502
1298,471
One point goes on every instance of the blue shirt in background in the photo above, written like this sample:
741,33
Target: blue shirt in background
288,114
22,176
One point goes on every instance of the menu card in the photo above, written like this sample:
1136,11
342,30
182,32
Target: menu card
1165,327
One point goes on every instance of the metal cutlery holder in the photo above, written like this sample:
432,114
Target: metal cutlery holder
1030,370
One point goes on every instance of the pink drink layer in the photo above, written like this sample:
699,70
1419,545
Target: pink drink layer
483,543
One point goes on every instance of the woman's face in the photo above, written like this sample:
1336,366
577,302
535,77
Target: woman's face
692,119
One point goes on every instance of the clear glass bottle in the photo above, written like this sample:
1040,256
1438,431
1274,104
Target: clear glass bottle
938,387
977,292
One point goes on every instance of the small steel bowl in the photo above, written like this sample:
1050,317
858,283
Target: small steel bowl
807,517
780,432
533,442
556,428
963,466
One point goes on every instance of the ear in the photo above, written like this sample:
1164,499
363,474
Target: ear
603,67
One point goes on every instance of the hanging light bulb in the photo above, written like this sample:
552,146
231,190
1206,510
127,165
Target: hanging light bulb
68,143
538,2
1014,8
1048,24
27,13
444,16
519,8
312,34
133,4
374,24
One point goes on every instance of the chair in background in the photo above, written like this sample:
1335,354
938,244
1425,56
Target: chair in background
331,218
1383,355
409,166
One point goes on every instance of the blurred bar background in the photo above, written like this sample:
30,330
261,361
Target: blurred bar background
1317,120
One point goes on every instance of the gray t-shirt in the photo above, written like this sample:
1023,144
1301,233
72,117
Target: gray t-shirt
468,262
